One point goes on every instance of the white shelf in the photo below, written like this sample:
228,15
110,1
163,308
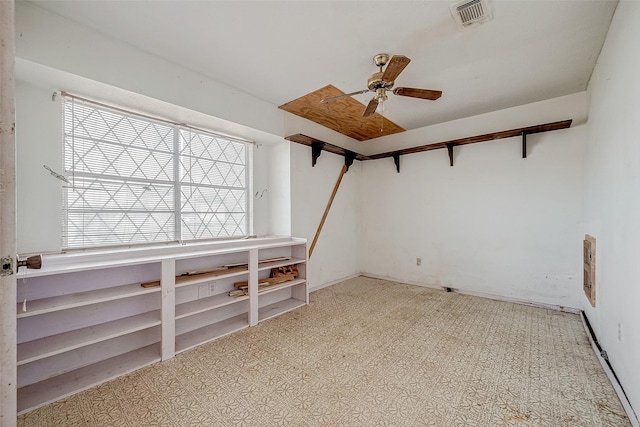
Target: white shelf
60,343
43,392
95,260
207,277
68,266
276,264
205,304
282,286
63,302
278,308
210,332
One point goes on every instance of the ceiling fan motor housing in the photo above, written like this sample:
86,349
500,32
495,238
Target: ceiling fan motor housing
375,82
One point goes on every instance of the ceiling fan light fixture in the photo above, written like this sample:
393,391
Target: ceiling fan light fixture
381,95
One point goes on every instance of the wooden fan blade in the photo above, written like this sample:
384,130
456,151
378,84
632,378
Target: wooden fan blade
418,93
333,98
395,67
371,107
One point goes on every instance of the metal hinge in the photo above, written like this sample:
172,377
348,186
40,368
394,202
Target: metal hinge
7,266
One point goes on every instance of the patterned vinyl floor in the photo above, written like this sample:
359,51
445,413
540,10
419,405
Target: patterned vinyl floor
368,352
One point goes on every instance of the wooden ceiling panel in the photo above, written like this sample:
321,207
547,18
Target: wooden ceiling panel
342,115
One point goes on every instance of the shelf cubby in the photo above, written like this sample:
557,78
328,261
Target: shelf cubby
38,394
208,277
63,302
278,308
276,264
61,363
55,344
205,304
210,332
283,285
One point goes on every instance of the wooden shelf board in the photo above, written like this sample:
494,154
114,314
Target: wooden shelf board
281,286
276,264
278,308
205,304
546,127
63,302
49,346
36,395
210,332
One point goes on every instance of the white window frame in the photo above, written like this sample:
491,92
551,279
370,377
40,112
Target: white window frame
239,191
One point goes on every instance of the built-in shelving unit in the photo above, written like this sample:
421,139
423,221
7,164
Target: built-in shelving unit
86,318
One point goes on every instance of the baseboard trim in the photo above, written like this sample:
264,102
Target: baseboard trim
481,294
622,396
333,282
407,282
522,302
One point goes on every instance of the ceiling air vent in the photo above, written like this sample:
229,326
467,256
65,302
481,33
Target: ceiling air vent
471,12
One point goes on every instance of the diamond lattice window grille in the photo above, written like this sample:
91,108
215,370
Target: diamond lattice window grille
126,170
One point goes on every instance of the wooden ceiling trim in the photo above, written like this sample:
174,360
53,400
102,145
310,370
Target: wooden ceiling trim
342,115
523,131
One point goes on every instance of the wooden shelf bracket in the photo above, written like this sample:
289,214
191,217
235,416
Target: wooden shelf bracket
524,144
396,160
450,150
349,157
316,150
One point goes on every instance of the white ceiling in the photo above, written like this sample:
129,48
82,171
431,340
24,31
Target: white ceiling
281,50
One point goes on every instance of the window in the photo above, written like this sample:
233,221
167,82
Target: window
135,180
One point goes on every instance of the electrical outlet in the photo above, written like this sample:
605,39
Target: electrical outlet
212,288
418,261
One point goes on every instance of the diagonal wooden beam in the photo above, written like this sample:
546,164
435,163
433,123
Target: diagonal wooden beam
326,210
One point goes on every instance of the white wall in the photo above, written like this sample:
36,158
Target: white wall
261,203
612,201
495,223
279,189
39,142
336,254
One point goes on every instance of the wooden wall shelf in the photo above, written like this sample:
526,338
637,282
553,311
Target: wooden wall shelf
449,145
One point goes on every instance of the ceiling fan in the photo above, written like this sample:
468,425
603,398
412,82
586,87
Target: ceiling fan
383,81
